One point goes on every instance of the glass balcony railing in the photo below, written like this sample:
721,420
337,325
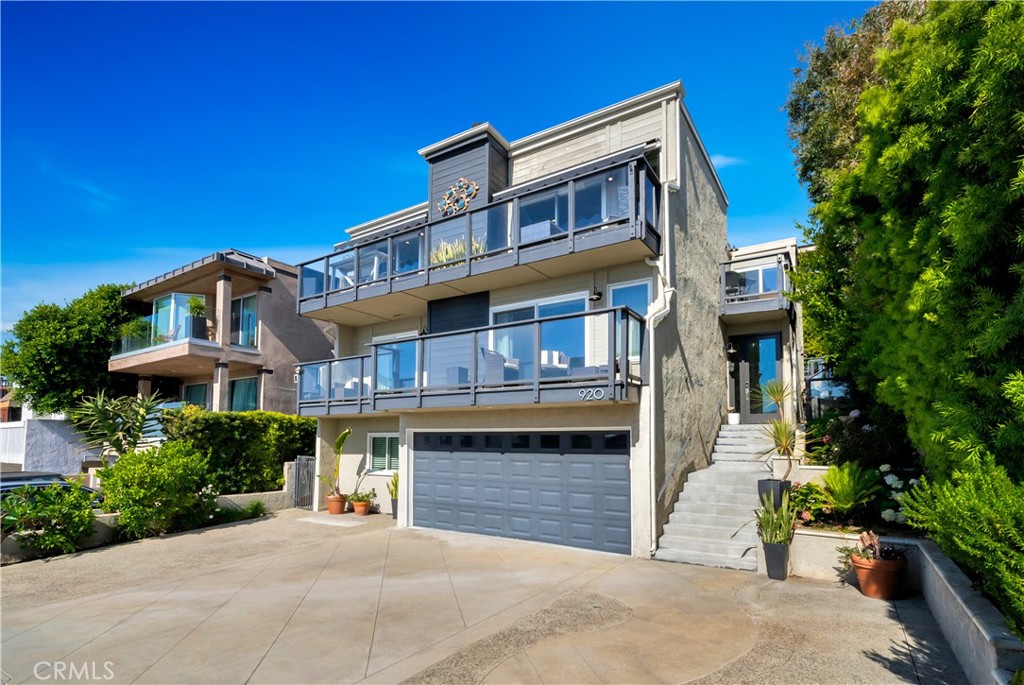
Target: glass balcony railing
143,333
600,349
619,195
754,279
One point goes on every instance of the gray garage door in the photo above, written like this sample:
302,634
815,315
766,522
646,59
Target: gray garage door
570,488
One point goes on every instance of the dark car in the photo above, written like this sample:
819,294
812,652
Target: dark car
12,480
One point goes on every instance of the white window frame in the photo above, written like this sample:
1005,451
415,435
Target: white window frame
369,454
588,351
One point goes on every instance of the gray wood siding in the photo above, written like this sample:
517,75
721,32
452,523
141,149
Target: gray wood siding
445,170
458,313
497,161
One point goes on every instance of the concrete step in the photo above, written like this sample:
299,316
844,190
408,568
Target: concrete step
720,520
720,475
733,438
739,465
742,429
739,449
731,548
725,490
735,456
716,508
748,563
740,532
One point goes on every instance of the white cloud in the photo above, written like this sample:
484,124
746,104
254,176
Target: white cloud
722,161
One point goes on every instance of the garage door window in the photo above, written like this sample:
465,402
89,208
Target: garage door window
383,453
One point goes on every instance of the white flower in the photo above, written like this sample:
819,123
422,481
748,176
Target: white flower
913,482
885,468
898,496
855,413
901,518
891,479
889,515
898,485
867,428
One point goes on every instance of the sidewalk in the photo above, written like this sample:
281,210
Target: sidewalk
284,600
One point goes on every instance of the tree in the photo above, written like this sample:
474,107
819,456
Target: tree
57,355
924,214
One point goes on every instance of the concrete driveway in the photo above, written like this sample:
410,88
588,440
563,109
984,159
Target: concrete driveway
291,599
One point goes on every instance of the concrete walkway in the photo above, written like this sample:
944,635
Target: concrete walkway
288,600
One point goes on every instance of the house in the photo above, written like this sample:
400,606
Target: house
540,348
39,442
221,333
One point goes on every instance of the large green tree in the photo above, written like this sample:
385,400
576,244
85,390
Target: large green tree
58,354
925,218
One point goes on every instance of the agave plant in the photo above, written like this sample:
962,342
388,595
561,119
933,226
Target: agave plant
116,425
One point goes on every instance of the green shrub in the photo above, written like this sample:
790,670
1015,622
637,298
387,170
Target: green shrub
847,487
53,519
159,490
977,518
246,449
253,510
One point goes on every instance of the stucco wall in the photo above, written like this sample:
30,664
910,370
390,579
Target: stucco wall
689,364
286,339
55,446
353,460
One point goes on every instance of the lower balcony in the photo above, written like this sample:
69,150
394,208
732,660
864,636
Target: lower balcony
594,357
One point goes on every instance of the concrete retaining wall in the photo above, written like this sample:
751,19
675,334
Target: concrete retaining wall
986,649
274,500
104,532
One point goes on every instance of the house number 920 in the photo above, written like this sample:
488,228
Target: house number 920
590,394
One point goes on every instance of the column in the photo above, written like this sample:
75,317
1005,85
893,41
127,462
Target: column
223,309
145,386
220,386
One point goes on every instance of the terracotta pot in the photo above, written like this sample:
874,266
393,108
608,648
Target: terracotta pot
336,504
879,578
361,508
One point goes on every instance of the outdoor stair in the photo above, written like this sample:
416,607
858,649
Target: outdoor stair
713,520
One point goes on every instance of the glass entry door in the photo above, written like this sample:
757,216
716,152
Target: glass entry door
757,359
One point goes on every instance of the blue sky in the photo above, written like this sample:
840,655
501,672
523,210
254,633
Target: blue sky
137,137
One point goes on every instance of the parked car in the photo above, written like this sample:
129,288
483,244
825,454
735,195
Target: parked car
12,480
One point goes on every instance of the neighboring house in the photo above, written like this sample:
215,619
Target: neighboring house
538,349
39,442
222,333
763,328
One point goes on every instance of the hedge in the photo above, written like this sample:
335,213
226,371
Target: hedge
246,448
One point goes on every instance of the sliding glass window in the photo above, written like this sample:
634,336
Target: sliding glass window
243,321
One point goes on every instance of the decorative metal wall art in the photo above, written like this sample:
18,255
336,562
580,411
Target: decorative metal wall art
456,198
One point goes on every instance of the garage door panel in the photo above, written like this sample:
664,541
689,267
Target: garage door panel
574,499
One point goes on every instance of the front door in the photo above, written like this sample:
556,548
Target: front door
756,360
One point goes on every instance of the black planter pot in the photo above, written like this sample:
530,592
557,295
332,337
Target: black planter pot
394,509
773,487
776,560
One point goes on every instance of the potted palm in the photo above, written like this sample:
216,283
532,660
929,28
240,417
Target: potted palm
393,493
362,500
775,527
880,568
335,498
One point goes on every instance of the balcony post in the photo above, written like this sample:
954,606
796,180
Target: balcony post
612,352
536,361
223,309
220,387
472,367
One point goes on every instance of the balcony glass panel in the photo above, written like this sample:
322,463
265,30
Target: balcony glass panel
448,242
373,262
313,381
347,379
408,249
543,215
650,202
341,270
506,355
491,229
396,365
602,198
312,280
751,283
447,361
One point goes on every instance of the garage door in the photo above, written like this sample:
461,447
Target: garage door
569,488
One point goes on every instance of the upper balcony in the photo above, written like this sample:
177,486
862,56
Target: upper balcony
587,218
593,357
753,288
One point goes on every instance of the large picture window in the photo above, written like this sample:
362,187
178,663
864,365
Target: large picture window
196,394
243,394
382,452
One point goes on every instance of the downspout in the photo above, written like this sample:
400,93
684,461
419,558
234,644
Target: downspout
660,309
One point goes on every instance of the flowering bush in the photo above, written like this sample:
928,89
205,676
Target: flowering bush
892,505
869,438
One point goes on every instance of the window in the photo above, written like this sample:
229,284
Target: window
171,319
243,321
407,253
195,394
382,452
396,362
752,280
243,394
564,339
602,198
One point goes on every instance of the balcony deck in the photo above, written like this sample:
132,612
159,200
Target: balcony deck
754,290
469,369
585,219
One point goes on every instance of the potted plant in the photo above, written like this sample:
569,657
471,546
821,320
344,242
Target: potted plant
335,498
880,568
733,417
775,528
361,501
783,436
393,493
196,305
